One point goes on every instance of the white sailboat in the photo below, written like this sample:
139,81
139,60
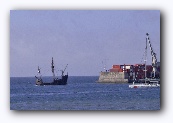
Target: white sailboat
148,81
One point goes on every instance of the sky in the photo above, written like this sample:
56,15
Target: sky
86,40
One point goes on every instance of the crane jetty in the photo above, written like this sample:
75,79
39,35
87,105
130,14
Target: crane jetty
138,73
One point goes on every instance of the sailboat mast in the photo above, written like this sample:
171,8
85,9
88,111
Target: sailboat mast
52,66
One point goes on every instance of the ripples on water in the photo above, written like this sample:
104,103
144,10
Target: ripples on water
81,93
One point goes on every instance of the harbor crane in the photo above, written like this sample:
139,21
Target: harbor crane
154,58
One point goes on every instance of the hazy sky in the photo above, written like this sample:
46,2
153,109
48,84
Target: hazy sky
82,39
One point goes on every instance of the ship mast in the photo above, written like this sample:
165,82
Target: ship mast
52,66
39,74
64,70
38,70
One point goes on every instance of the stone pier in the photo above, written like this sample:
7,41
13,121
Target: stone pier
113,77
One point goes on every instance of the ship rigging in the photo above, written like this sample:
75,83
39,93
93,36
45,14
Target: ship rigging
56,81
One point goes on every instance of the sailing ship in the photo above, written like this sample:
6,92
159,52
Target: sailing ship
56,81
148,82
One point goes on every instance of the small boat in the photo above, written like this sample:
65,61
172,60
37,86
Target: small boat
151,83
56,81
148,82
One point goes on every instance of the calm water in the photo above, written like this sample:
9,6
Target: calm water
81,93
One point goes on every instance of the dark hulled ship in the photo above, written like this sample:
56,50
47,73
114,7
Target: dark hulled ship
56,81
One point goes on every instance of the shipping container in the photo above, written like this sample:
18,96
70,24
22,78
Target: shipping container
116,66
120,70
114,70
135,71
127,67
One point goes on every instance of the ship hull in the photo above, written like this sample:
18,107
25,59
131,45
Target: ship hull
62,81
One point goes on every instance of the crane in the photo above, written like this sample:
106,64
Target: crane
154,58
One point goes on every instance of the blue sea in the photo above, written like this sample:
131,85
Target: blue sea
81,93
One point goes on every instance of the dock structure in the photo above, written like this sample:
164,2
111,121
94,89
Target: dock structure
127,73
113,77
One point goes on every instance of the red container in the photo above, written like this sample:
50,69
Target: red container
116,66
120,70
116,70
